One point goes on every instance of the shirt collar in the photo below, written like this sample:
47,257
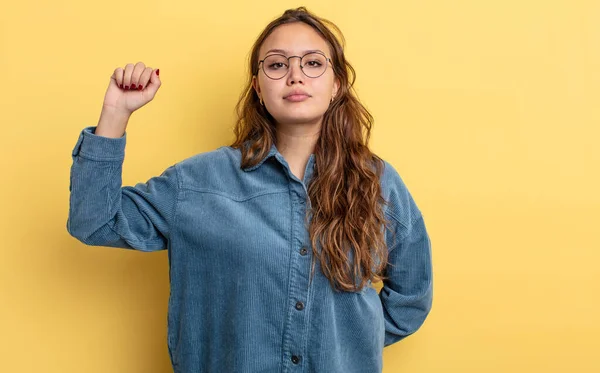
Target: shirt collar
272,152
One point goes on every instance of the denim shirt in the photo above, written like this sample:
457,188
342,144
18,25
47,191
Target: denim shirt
239,260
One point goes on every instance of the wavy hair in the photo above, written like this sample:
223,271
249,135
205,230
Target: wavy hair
345,193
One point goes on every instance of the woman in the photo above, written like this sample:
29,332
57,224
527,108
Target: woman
246,225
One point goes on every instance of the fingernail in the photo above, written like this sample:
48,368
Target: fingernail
157,71
120,85
126,87
133,87
139,87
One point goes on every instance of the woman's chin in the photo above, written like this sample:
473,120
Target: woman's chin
298,117
295,120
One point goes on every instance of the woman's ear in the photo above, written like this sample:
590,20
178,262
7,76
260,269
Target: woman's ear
336,87
255,85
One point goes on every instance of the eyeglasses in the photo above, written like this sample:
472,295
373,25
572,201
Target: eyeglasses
276,66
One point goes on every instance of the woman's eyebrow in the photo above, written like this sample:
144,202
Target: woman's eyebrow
286,52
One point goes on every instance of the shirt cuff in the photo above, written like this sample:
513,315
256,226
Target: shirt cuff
99,148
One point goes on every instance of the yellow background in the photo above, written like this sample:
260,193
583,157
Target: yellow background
488,109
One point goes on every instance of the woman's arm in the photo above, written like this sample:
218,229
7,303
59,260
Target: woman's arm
102,213
407,295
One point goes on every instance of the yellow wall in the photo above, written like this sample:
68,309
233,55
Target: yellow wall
488,109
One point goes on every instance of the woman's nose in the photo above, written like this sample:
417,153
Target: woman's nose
295,70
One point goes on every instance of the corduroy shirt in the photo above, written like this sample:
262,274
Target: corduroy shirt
239,260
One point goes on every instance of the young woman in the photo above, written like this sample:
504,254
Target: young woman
273,242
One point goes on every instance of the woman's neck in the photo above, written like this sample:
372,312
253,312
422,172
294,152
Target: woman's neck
296,143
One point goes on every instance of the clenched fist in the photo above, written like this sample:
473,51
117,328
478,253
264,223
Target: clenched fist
131,88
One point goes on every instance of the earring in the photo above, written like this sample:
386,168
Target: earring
332,98
261,102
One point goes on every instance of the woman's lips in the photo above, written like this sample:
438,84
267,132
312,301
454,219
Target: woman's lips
297,98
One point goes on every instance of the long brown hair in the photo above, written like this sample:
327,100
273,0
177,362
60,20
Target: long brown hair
345,194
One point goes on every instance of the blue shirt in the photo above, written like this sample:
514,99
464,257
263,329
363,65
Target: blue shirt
239,261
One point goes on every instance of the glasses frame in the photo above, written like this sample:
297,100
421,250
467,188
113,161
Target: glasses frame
327,59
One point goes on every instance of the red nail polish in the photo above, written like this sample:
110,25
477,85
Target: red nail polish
120,85
126,87
139,87
157,71
132,87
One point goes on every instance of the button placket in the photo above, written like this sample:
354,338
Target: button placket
295,334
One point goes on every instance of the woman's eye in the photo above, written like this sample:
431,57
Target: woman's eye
276,65
314,63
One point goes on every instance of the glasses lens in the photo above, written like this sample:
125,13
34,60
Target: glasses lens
314,65
275,66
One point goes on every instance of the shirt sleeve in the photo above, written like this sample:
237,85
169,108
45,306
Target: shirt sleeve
406,296
103,213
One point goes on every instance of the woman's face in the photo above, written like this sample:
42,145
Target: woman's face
295,39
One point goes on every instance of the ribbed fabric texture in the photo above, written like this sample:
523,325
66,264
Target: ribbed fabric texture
239,258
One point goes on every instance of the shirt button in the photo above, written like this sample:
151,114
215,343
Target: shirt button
295,359
303,251
299,306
